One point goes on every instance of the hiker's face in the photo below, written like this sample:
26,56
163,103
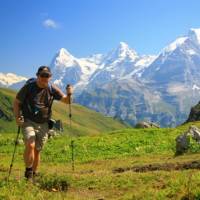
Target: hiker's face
44,80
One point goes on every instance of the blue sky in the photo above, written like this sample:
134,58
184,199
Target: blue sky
32,31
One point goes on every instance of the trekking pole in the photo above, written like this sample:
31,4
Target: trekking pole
72,147
70,125
13,156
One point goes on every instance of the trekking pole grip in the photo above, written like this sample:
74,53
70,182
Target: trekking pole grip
69,92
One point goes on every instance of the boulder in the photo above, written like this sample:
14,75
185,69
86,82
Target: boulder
183,140
182,143
195,133
145,124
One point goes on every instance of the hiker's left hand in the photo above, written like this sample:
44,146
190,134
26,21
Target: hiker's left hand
20,121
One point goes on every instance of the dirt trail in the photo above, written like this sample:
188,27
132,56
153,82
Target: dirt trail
158,166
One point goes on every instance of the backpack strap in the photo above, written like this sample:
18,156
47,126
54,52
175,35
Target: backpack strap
50,88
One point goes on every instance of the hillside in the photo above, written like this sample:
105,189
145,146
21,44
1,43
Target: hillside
107,166
84,121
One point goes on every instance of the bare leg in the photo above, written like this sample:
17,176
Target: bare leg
36,161
29,153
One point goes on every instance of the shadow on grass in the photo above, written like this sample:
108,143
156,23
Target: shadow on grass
53,182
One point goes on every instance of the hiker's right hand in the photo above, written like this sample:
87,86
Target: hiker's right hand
69,90
19,121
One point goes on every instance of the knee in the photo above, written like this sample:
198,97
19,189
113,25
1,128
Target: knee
30,145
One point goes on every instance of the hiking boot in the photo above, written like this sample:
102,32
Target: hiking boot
36,174
28,174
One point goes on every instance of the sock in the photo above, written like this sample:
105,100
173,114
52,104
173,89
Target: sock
29,169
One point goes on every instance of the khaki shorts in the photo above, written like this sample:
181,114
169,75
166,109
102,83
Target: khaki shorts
35,132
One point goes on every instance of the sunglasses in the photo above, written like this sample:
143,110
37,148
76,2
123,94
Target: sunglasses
45,75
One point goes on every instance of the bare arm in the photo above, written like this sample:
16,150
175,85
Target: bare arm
16,108
17,112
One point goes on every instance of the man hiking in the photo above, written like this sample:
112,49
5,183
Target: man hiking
32,110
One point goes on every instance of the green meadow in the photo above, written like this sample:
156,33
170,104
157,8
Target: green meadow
105,153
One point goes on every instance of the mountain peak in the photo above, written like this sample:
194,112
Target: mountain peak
63,58
122,51
123,45
63,53
194,34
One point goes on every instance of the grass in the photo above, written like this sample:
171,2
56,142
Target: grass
101,145
95,158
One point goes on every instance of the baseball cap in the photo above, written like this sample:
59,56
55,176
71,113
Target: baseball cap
44,70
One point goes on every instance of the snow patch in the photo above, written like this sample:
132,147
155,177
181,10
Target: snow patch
191,52
140,65
195,87
145,61
157,69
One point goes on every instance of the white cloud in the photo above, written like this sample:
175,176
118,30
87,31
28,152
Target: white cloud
49,23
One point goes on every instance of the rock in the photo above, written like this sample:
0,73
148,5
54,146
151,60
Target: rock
195,133
194,114
182,143
183,140
144,124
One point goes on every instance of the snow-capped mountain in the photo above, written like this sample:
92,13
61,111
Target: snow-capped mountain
173,75
10,79
135,87
178,62
69,69
175,72
117,63
97,69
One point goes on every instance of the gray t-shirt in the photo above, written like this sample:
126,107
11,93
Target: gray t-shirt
36,102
